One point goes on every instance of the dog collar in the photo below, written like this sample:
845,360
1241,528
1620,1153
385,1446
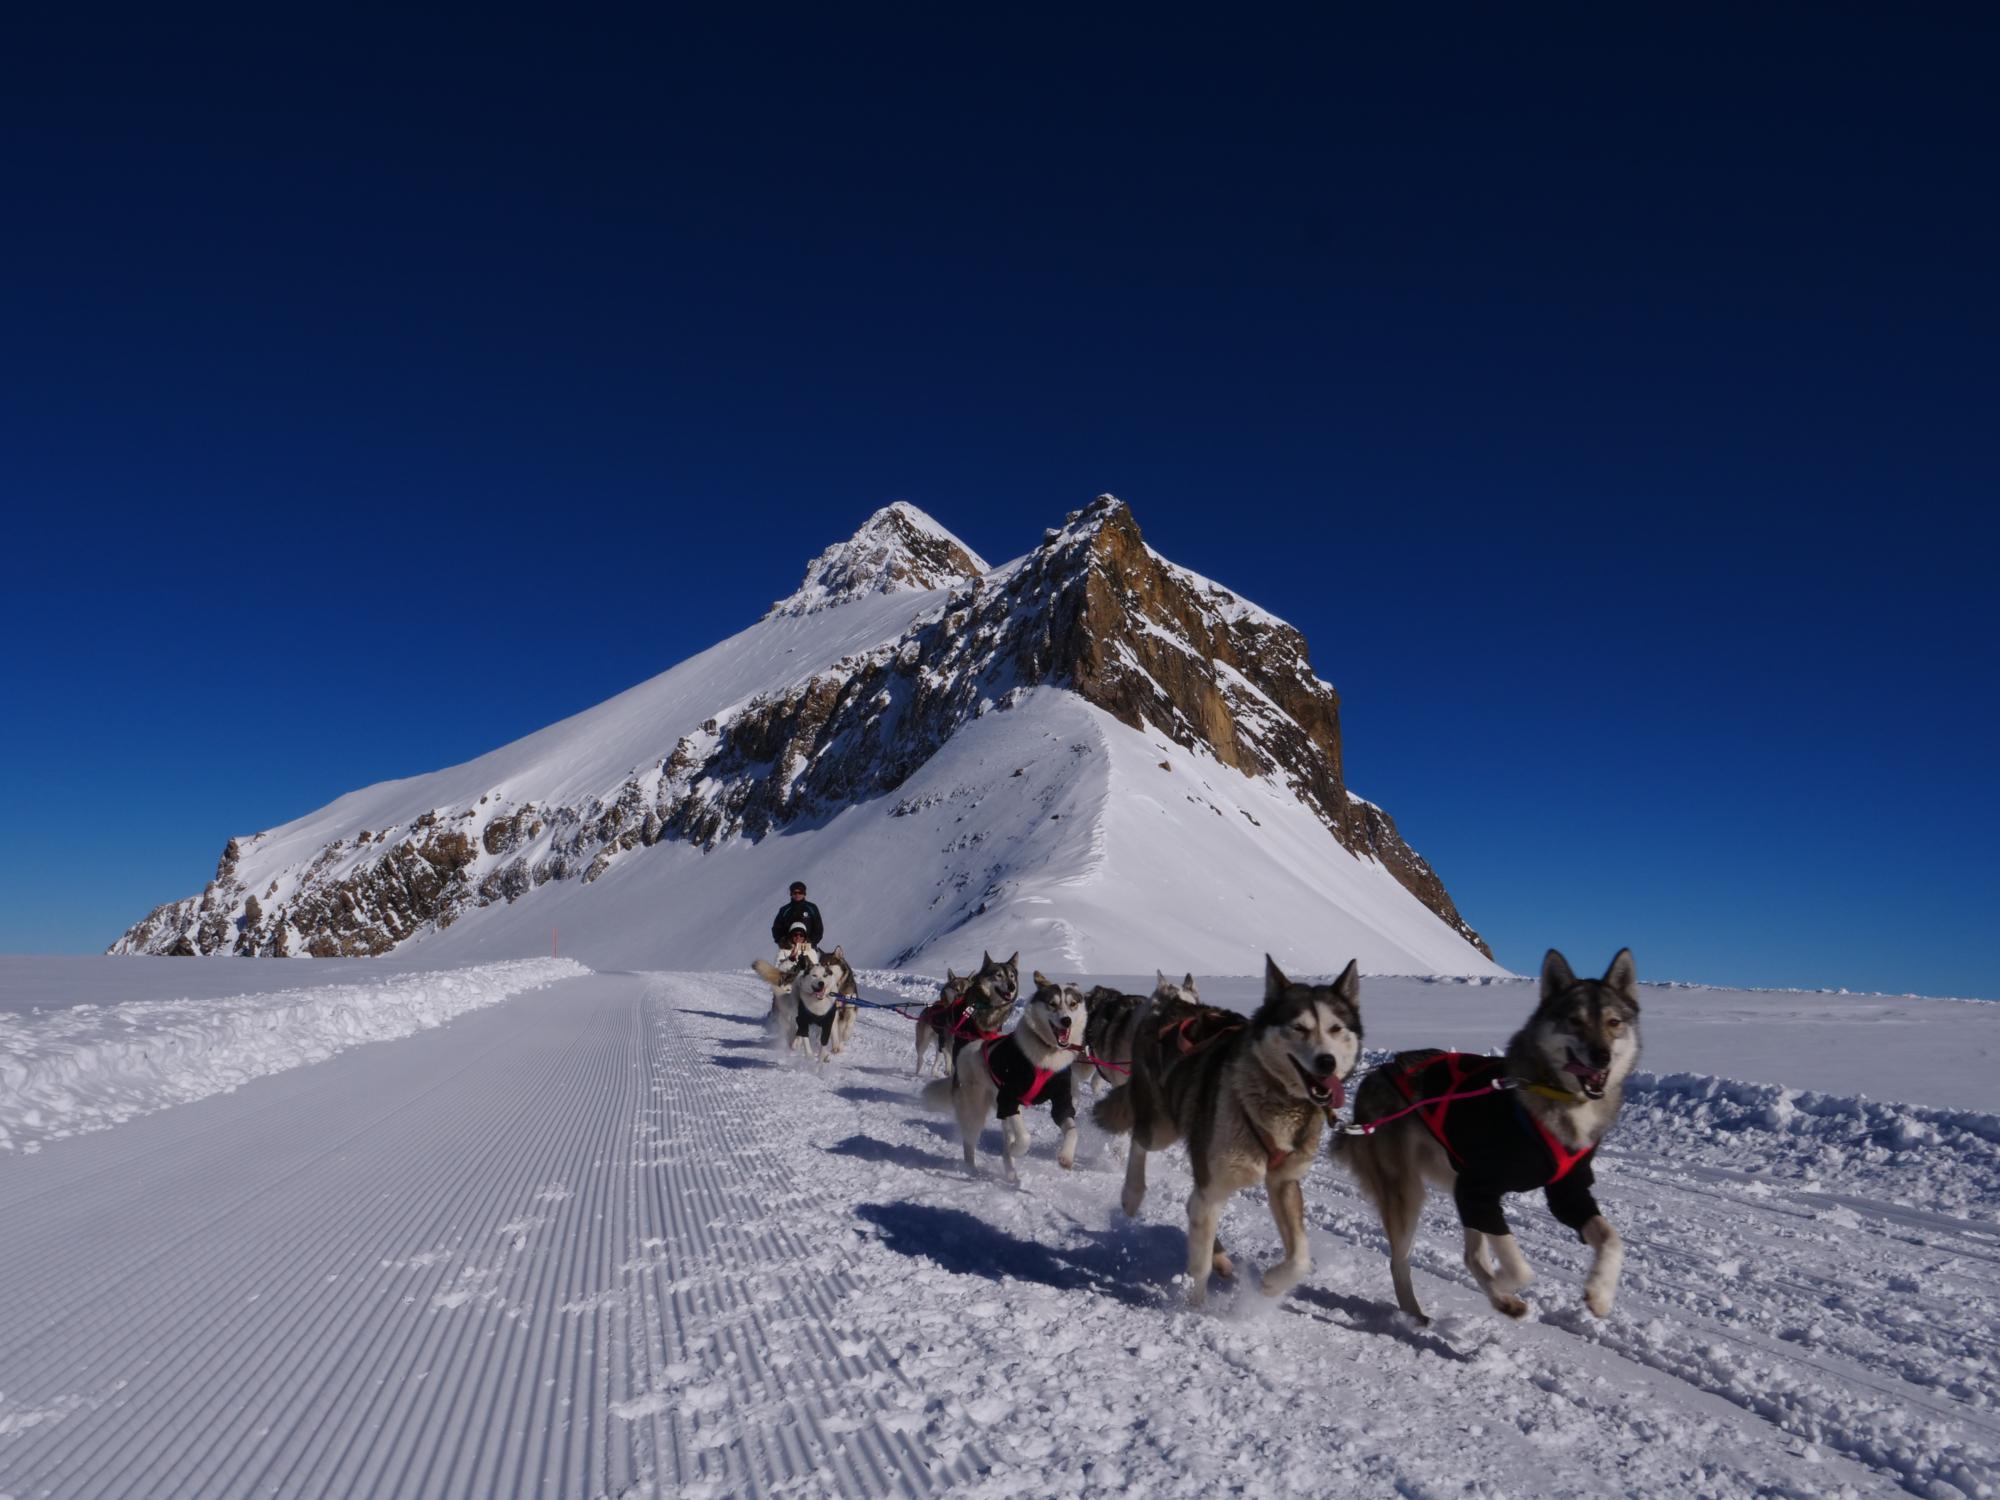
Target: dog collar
1550,1091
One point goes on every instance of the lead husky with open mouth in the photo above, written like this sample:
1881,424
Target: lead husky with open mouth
1029,1065
1484,1126
1250,1096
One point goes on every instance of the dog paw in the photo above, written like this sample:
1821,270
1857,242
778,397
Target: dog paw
1282,1277
1599,1299
1513,1307
1131,1203
1224,1266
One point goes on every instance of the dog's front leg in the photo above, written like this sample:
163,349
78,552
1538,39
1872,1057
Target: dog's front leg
1288,1208
1135,1180
1013,1143
1066,1153
1601,1285
1499,1286
972,1109
1204,1219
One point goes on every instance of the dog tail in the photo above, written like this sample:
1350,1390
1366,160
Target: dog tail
937,1095
1113,1113
770,973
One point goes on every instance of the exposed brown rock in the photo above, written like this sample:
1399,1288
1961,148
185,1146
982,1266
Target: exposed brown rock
1092,610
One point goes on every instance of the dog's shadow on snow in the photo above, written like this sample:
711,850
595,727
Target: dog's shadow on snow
1364,1315
723,1060
723,1015
1128,1264
867,1148
861,1093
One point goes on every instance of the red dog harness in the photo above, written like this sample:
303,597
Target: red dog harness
1497,1145
1018,1082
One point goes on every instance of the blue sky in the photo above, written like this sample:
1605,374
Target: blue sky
1608,397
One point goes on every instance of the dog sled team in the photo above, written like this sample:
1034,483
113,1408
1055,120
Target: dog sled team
812,994
1253,1097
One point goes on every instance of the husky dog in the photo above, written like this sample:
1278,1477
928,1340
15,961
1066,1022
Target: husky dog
846,992
779,977
968,1007
808,999
1250,1097
1027,1066
1108,1039
1562,1079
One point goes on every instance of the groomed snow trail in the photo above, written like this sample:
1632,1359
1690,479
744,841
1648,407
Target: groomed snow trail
603,1239
539,1251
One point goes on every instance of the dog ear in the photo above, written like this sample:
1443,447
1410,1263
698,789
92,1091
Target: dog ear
1623,976
1015,961
1556,975
1188,983
1348,986
1160,978
1042,981
985,959
1275,982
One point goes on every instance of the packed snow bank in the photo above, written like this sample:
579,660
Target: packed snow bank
88,1067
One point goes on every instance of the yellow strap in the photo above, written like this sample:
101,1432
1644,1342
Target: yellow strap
1562,1095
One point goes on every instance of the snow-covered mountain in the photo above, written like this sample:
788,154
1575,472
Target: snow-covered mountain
1089,753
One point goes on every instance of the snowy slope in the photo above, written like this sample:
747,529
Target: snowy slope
1091,858
1087,754
601,1240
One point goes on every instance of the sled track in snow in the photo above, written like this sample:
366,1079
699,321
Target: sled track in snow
604,1240
759,1392
407,1271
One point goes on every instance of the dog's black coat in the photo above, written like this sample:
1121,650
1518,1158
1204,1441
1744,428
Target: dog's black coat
1014,1076
1492,1140
807,1021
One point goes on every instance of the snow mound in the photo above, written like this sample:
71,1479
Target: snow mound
89,1067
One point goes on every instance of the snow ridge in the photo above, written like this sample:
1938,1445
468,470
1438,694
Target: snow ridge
89,1067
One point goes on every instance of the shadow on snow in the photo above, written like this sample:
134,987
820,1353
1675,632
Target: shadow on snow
1126,1263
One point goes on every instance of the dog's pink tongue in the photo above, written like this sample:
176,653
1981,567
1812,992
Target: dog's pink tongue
1336,1094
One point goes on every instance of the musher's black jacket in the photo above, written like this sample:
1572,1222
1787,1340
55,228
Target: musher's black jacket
797,911
1495,1143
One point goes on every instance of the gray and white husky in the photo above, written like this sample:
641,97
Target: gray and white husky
1250,1096
1029,1065
975,1003
809,998
1113,1019
1532,1121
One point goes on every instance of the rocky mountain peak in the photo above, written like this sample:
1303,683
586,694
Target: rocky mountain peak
1092,610
898,549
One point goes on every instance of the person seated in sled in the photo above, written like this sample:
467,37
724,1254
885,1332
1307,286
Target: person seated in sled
795,950
795,912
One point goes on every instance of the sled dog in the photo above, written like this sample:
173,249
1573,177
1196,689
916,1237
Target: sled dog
847,992
809,999
969,1007
1027,1066
1108,1039
1533,1120
779,977
1249,1095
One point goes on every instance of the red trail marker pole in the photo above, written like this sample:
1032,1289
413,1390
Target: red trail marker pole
554,934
